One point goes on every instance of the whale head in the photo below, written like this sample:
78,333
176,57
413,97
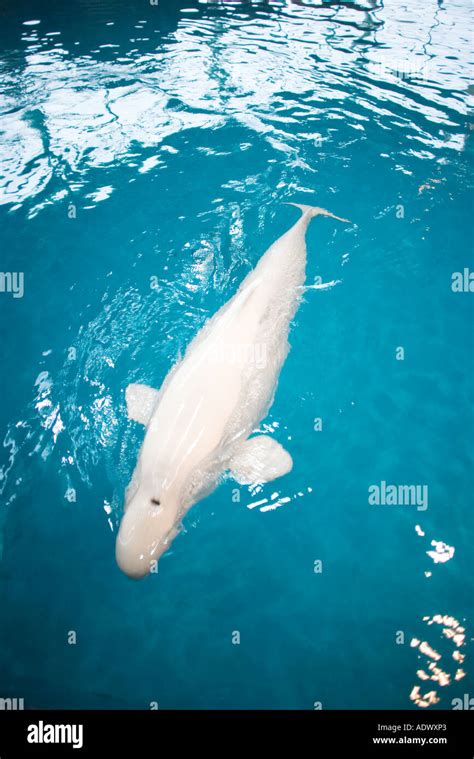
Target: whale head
148,526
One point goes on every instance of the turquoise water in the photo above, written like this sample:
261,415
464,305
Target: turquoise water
145,145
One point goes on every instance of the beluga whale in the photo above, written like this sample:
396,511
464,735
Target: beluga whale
200,424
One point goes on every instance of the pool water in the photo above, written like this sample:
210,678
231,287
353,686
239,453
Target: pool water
147,152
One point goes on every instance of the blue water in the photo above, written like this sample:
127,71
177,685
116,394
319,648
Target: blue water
156,145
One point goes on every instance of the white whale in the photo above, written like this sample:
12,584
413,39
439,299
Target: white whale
198,425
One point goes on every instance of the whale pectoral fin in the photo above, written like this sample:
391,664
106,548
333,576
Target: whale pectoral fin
141,400
260,459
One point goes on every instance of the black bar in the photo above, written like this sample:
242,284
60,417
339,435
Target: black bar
314,733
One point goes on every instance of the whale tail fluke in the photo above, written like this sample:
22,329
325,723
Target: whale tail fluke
313,211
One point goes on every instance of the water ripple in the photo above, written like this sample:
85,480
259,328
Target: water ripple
284,73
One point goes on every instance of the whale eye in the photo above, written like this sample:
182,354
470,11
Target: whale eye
155,501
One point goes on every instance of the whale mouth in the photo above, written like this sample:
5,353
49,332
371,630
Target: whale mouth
137,565
135,572
145,534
